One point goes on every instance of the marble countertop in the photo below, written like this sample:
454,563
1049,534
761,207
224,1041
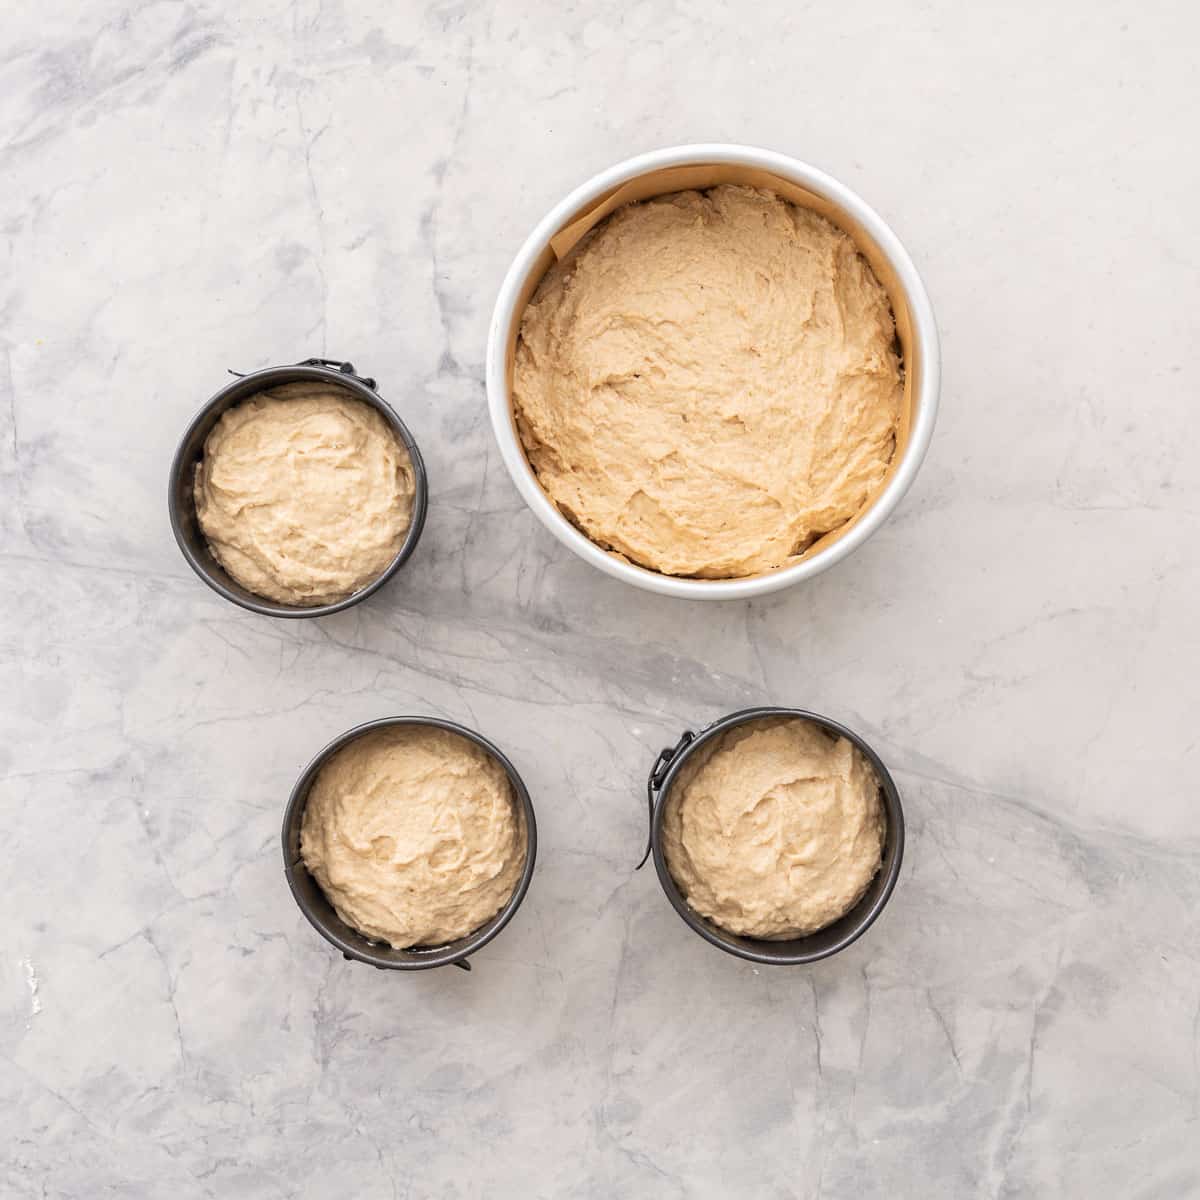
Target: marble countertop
189,189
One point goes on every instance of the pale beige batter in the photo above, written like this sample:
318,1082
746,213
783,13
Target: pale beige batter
775,830
414,835
709,382
304,494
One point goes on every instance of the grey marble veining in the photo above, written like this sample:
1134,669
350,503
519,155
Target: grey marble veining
195,186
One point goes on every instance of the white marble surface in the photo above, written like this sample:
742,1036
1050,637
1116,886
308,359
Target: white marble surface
190,187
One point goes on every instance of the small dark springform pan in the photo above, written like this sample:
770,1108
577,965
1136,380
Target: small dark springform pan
320,913
842,932
181,499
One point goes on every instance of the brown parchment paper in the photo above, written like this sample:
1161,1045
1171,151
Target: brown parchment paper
706,175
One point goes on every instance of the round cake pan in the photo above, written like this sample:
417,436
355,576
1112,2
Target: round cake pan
354,945
846,929
676,169
182,503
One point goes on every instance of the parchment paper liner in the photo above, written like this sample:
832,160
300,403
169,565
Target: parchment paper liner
705,175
